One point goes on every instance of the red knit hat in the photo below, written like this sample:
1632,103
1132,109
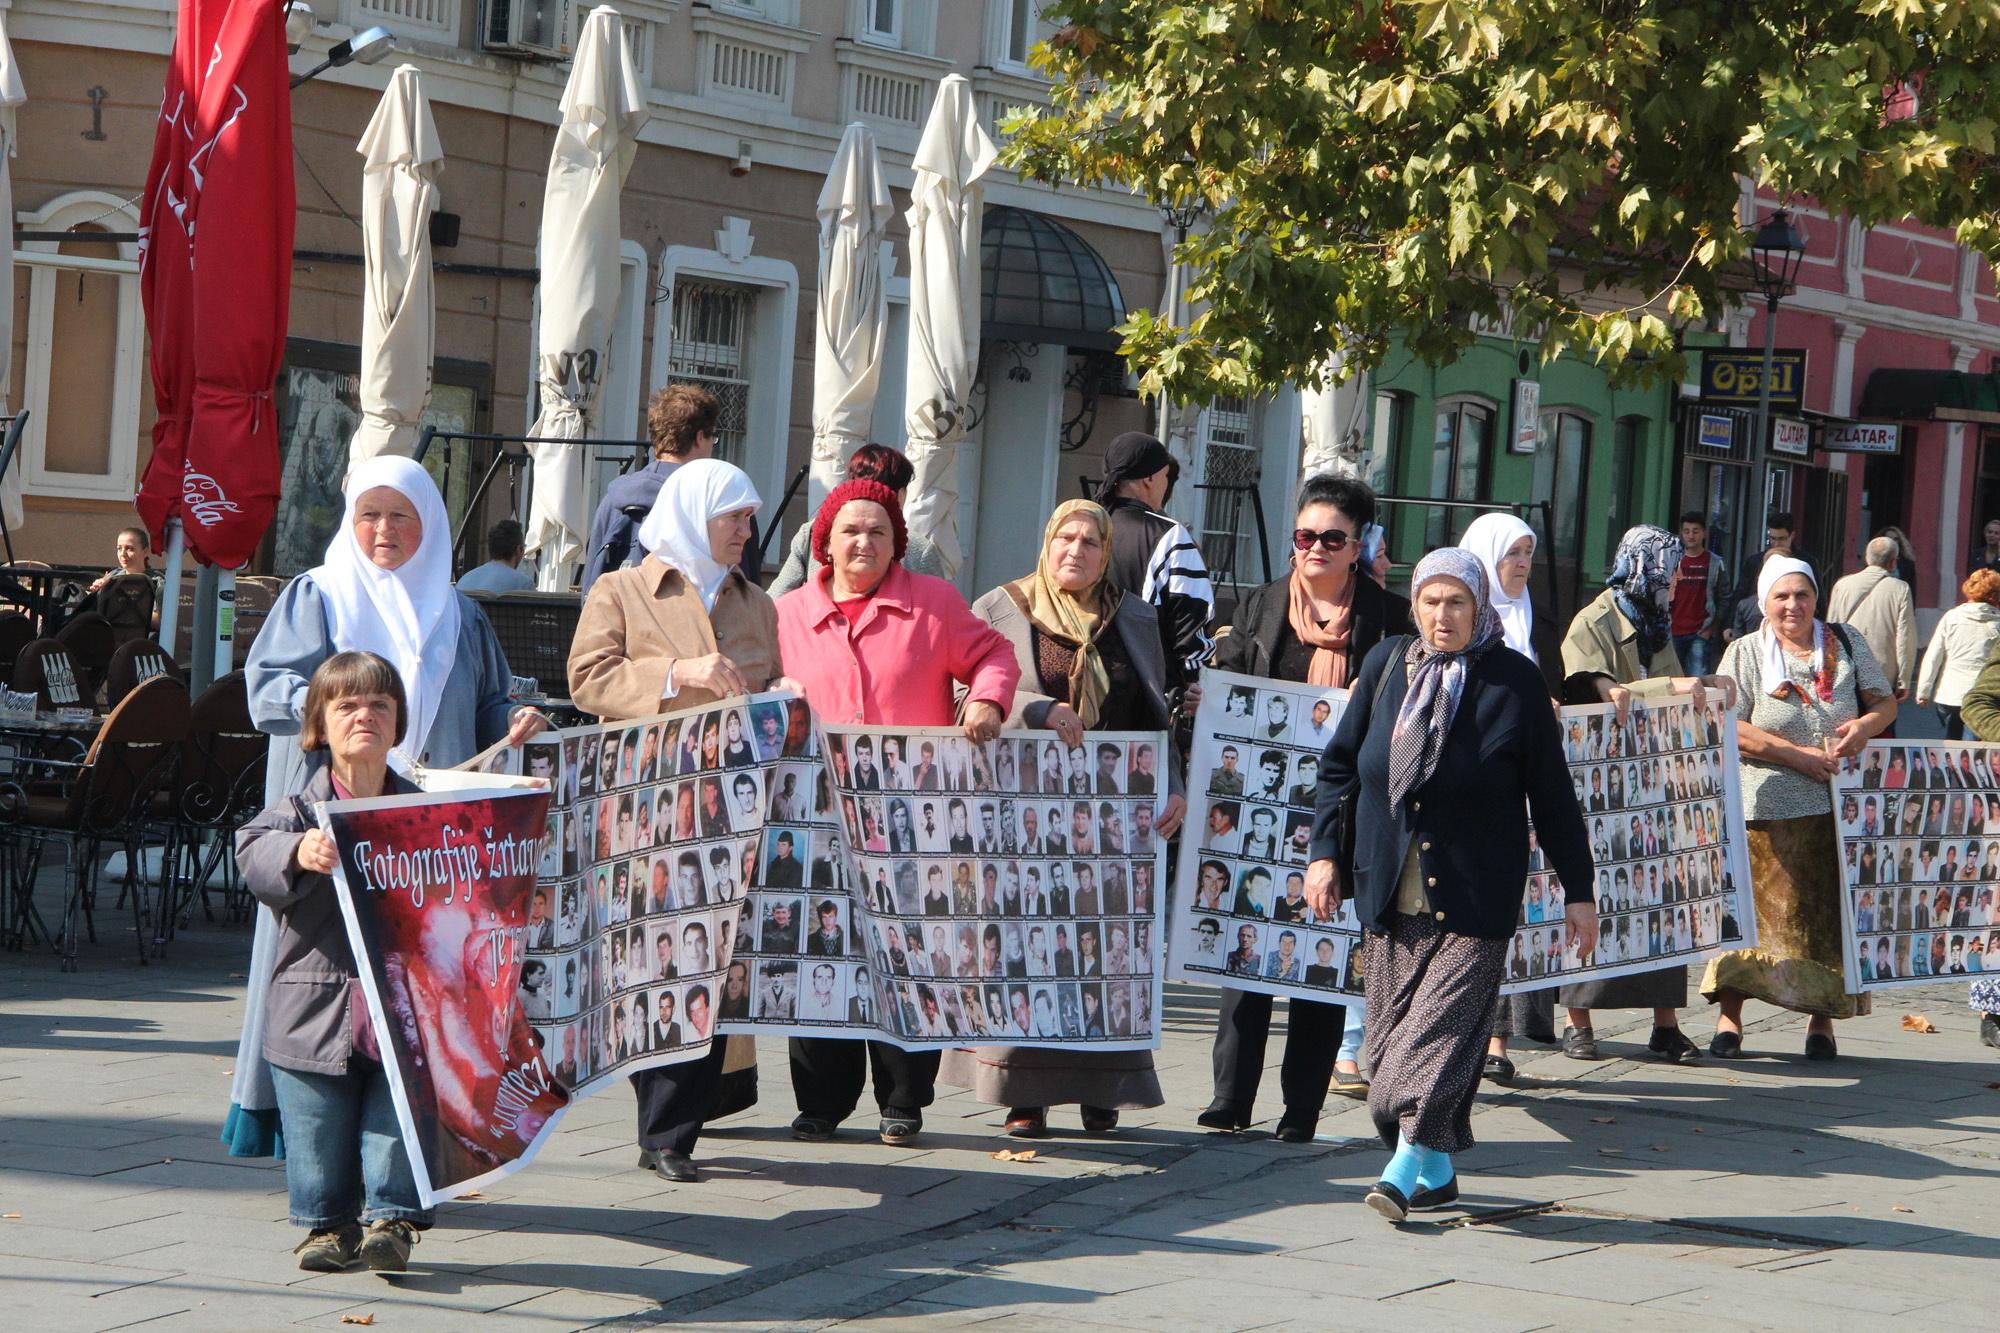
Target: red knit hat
857,489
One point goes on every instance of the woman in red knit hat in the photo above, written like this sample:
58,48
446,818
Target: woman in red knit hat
871,642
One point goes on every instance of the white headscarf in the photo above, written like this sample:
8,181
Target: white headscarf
409,614
1488,537
677,530
1776,676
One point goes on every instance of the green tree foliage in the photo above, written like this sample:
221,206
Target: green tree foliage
1376,169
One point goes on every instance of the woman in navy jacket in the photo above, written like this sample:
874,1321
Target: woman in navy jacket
1447,744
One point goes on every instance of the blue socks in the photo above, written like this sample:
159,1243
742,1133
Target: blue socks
1436,1171
1415,1168
1403,1168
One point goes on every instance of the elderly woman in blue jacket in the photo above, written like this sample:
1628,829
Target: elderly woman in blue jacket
1447,745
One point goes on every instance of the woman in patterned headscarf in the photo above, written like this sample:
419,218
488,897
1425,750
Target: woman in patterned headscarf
1620,648
1447,744
1091,661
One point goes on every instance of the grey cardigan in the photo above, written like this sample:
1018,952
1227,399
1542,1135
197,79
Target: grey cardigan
306,1025
1137,626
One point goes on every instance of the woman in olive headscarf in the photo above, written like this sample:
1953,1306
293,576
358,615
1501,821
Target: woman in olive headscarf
1090,661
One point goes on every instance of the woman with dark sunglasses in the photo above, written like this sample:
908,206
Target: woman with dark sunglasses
1314,625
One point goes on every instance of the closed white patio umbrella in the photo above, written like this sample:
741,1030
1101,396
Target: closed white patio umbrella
852,319
945,204
12,94
402,159
603,109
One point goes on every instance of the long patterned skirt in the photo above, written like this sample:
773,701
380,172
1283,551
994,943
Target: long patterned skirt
1797,964
1431,1000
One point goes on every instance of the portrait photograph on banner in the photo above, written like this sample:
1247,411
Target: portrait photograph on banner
1005,892
1920,862
438,891
1240,916
1662,802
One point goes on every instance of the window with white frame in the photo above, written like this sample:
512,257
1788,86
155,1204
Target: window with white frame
1230,472
710,347
1013,28
882,21
83,371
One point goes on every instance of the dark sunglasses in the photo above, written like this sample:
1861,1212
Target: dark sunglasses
1333,539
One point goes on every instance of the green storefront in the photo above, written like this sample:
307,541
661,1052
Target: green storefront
1601,457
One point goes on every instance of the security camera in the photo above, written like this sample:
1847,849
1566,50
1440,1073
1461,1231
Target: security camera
741,166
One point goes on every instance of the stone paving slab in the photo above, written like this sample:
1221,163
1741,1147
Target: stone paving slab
1766,1193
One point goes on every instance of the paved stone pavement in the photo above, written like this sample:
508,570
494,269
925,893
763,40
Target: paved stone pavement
1764,1194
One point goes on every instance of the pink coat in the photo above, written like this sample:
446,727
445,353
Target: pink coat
897,664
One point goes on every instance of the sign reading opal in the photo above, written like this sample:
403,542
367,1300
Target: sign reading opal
1862,437
1733,378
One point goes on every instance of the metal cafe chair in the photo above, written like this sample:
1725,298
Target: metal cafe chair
90,641
45,668
132,666
17,631
219,787
81,808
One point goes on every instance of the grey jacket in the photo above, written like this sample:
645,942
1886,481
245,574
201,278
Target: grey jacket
1137,626
306,1025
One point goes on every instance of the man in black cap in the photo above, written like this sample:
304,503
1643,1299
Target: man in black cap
1154,557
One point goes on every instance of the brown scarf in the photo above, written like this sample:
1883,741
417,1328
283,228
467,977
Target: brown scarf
1329,641
1073,617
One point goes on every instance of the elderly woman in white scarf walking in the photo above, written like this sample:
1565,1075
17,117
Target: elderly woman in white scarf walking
1810,695
384,588
1447,744
682,629
1505,548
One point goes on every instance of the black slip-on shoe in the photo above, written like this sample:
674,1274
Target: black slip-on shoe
1444,1196
1387,1200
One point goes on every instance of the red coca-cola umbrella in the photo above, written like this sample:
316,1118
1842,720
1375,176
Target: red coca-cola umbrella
224,204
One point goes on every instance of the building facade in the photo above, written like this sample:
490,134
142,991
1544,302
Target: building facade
748,101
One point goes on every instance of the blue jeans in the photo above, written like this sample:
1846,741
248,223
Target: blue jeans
343,1148
1350,1037
1696,653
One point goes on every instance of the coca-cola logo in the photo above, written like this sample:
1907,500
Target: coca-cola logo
203,496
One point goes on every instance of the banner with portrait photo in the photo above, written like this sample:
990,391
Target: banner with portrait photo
1662,800
1240,915
1920,862
654,844
1002,893
436,890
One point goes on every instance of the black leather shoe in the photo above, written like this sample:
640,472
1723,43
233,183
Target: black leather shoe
1672,1045
1291,1131
1989,1030
1444,1196
900,1131
1819,1046
1499,1069
1726,1046
1580,1043
1099,1119
674,1167
1229,1117
812,1129
1387,1200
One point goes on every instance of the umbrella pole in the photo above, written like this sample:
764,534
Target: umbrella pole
170,586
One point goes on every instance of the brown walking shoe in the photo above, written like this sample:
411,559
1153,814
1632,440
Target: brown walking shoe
387,1246
329,1251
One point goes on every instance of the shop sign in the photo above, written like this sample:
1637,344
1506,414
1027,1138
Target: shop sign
1715,431
1791,436
1862,437
1527,416
1733,377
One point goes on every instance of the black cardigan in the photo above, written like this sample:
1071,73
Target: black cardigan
1504,755
1251,646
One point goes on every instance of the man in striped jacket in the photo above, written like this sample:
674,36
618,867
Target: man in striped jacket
1154,557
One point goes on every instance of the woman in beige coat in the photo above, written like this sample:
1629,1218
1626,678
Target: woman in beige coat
680,630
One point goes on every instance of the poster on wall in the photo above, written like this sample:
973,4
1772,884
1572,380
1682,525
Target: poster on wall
1240,916
1920,862
437,891
1662,802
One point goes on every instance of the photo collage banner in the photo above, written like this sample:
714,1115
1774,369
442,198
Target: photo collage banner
1920,860
1240,915
1003,893
655,840
1662,801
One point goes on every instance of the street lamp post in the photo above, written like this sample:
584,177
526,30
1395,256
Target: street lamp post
1776,251
1180,214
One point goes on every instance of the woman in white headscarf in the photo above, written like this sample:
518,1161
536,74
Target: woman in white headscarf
384,588
1505,548
1810,695
682,629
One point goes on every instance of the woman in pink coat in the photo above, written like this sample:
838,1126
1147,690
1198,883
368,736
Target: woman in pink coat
873,643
